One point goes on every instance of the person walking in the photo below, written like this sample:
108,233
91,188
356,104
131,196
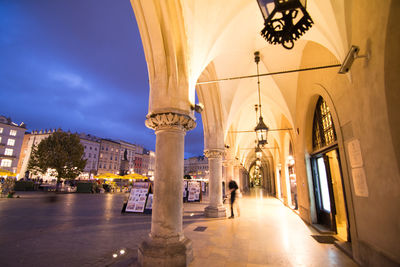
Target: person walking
232,188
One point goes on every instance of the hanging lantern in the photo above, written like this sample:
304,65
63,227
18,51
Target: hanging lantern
288,21
262,132
258,152
258,162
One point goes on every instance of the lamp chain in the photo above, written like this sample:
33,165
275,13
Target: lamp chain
257,60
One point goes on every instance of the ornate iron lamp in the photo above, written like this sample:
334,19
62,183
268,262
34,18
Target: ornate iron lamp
288,21
261,129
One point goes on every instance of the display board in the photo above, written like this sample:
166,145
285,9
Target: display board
140,198
193,191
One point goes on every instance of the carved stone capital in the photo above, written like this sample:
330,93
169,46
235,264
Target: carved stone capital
214,153
170,120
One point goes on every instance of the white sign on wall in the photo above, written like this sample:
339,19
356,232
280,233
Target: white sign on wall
359,182
355,155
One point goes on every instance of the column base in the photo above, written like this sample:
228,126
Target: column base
162,253
215,212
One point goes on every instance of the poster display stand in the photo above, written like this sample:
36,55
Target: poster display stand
140,198
192,191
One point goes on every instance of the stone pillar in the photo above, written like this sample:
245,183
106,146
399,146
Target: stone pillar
166,245
229,172
236,175
216,208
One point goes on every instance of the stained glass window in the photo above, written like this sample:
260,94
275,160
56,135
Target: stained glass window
323,129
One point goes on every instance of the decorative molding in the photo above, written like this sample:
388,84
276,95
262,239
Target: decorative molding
214,153
170,120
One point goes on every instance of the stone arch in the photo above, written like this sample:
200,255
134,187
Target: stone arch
213,114
161,26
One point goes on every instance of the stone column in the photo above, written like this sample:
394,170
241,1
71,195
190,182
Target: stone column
236,175
216,208
229,172
166,245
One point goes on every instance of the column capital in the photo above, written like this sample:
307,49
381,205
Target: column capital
214,153
170,120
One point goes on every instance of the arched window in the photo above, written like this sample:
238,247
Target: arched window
323,129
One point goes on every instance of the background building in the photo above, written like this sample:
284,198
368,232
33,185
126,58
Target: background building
196,167
152,165
109,158
127,157
138,163
29,140
11,138
91,145
102,155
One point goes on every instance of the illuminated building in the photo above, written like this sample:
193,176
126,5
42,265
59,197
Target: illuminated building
91,145
11,137
109,156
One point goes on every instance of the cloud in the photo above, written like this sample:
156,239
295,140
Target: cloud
70,80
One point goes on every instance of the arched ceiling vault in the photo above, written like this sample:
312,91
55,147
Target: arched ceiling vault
226,34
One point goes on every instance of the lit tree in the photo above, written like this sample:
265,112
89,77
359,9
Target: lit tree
61,153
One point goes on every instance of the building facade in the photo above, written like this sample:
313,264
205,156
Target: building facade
146,162
91,146
127,157
11,138
197,167
138,163
30,140
152,165
102,155
109,157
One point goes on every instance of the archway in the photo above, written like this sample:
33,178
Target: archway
330,203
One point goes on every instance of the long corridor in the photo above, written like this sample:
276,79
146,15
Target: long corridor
266,234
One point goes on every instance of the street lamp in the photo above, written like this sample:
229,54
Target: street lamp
262,132
261,129
287,22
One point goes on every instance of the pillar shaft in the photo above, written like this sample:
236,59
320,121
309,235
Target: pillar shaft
229,172
216,207
166,222
166,244
236,175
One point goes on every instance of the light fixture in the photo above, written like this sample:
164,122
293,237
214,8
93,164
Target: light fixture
258,162
261,129
287,22
258,152
290,160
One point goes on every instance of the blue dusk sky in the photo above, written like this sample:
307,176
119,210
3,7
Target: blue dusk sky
78,65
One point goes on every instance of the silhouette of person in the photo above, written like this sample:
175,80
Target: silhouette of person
232,188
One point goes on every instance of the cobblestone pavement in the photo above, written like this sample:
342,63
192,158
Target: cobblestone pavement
74,230
87,229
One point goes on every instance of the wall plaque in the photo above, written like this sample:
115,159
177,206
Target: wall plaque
359,182
355,156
